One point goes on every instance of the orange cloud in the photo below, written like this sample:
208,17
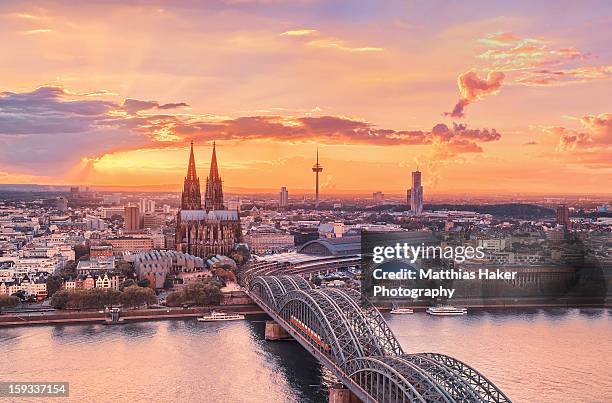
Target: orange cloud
593,145
51,125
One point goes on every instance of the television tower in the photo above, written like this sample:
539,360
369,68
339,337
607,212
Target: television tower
316,168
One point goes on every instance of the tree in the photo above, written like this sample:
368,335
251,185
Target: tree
61,299
8,301
240,254
203,293
54,283
69,269
224,274
168,282
135,296
145,282
80,250
127,283
175,298
126,269
94,298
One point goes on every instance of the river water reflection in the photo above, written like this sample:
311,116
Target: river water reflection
552,355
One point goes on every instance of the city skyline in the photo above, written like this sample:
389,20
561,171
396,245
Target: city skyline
512,93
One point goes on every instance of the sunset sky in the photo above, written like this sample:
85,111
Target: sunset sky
506,97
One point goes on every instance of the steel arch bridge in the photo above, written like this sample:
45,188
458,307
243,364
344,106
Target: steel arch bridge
349,336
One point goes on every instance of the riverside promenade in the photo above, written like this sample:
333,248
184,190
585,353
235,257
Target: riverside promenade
95,316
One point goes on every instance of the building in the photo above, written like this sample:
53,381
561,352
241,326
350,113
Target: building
146,206
331,230
156,265
209,231
152,220
492,245
283,197
378,197
130,244
132,219
416,193
109,212
266,239
563,216
30,285
96,265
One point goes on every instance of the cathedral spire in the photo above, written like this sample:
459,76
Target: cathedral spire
191,199
191,169
213,198
214,170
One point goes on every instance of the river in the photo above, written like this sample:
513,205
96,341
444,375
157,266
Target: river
551,355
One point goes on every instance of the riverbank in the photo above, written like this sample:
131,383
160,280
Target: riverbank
67,317
501,303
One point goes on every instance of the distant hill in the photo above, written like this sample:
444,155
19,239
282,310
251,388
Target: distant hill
510,210
24,187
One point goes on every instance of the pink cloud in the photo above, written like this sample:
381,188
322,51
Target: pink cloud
474,88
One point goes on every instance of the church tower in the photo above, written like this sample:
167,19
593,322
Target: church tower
191,198
213,198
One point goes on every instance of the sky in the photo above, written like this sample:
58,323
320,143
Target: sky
482,97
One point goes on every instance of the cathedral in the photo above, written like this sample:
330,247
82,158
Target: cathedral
210,230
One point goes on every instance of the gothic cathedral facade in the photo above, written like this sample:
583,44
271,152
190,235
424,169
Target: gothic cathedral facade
213,230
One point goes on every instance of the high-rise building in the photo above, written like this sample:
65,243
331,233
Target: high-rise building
416,193
147,206
378,197
131,217
317,168
563,215
283,197
209,231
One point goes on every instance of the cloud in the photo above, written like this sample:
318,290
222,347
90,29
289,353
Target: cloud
331,43
316,40
48,110
447,141
36,31
546,77
472,88
500,39
173,105
523,61
51,129
534,62
592,145
300,32
134,106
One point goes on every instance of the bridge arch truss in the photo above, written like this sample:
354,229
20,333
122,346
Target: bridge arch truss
351,338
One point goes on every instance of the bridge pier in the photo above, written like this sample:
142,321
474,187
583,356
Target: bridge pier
339,394
274,331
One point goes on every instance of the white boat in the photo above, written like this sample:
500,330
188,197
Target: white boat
220,316
401,311
446,311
